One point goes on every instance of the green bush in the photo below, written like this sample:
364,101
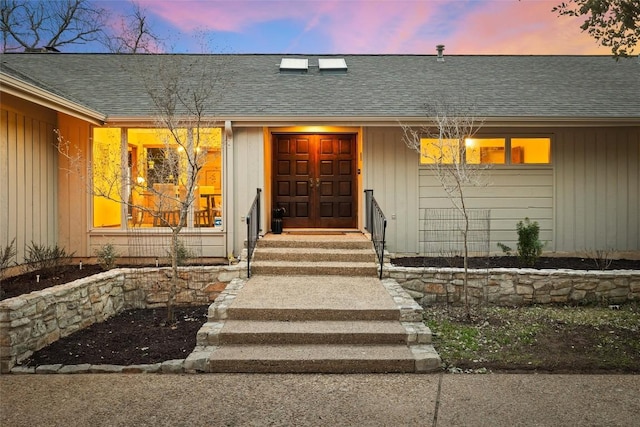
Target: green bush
107,256
46,257
7,254
529,244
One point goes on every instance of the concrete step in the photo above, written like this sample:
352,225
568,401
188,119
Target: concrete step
307,314
314,255
291,268
313,332
346,241
322,359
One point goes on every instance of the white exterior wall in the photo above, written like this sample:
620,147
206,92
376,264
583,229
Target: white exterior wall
390,169
598,189
247,174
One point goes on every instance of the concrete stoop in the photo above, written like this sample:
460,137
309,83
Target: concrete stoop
350,254
238,338
310,320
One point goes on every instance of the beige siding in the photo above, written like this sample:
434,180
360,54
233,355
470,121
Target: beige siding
28,175
510,194
73,187
248,175
390,169
598,189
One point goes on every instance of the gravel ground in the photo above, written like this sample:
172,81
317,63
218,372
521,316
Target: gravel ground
318,400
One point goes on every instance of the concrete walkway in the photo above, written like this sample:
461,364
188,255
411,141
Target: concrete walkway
319,400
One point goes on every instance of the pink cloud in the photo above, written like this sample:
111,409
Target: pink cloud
226,15
521,28
393,26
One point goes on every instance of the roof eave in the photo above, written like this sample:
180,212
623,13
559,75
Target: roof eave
252,121
39,96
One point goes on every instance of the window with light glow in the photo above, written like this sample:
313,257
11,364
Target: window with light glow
530,150
497,151
439,151
107,177
152,180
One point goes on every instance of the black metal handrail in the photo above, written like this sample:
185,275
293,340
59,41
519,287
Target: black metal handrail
253,229
376,225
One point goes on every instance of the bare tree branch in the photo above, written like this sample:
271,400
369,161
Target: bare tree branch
135,34
30,25
442,145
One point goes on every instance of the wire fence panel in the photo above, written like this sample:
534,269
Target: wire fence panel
441,232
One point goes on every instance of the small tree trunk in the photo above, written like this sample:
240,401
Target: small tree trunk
171,317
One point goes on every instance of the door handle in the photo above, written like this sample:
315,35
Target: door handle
311,183
317,182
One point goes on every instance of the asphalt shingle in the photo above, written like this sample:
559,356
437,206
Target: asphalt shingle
385,86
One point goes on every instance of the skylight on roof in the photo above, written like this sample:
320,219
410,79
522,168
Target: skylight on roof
294,64
332,64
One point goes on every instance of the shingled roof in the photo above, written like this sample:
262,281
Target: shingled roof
374,87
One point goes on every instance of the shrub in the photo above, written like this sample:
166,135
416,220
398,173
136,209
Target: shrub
7,254
601,257
529,244
46,257
107,256
183,254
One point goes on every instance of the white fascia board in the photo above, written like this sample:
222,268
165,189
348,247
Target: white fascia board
31,93
250,121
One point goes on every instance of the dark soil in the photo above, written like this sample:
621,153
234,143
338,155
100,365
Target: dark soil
29,282
133,337
515,262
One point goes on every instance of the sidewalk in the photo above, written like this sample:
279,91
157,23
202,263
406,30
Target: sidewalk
319,400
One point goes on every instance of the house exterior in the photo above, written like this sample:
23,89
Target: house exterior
561,134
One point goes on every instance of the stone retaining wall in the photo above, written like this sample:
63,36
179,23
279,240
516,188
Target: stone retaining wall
507,286
33,321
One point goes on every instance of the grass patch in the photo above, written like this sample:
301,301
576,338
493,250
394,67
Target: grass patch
541,338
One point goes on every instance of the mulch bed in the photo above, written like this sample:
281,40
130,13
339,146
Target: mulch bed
29,282
133,337
514,262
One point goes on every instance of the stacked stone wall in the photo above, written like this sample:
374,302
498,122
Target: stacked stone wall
32,321
517,286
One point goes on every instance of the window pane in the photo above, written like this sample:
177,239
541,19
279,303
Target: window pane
107,177
162,164
209,190
439,151
530,150
485,150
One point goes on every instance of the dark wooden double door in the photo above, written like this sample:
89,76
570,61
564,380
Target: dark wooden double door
314,180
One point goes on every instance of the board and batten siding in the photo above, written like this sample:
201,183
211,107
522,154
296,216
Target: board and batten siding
247,176
390,170
511,194
28,176
598,189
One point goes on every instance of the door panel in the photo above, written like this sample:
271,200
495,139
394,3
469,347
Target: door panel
320,190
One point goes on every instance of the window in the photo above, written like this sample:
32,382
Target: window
439,151
530,150
498,151
107,177
485,150
154,176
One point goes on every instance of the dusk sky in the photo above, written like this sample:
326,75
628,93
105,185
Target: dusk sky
365,26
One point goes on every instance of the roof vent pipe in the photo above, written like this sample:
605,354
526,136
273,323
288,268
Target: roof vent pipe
440,49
